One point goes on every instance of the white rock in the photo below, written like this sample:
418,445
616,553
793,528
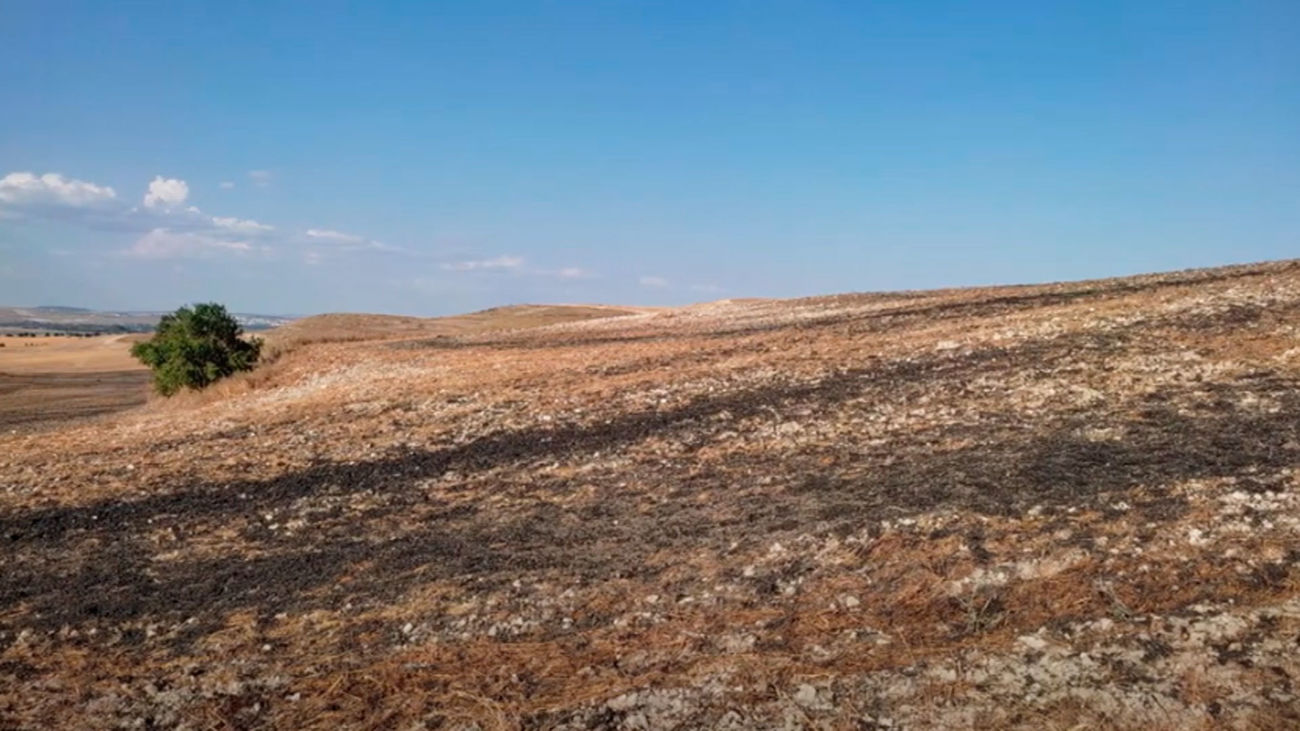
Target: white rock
1033,642
806,695
623,702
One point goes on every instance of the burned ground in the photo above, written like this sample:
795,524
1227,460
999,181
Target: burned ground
921,509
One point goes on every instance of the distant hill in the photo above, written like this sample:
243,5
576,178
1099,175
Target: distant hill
57,308
53,318
362,326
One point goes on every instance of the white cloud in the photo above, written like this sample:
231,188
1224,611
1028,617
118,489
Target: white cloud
515,265
225,185
338,242
164,224
706,288
335,236
162,243
166,192
241,225
656,282
52,189
564,273
500,262
260,178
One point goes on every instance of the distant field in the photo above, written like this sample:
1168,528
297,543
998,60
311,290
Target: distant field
48,380
78,320
64,353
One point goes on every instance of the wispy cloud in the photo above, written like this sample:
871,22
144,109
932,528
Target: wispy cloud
511,263
162,243
569,273
260,178
241,224
516,265
226,185
327,242
653,282
334,236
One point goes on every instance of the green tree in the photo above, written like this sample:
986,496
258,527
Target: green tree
194,346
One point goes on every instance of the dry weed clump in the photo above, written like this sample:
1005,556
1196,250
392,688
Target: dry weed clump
1064,506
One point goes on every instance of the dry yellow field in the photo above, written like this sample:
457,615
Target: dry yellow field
64,354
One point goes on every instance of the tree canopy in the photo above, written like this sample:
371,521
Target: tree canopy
196,346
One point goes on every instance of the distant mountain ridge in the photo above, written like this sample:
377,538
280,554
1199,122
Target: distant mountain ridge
56,318
60,308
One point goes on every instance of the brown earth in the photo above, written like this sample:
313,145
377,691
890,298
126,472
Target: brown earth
1062,506
49,381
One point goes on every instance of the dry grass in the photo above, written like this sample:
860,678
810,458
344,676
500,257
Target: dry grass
348,327
1066,506
63,354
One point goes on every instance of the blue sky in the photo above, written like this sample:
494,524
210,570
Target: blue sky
429,158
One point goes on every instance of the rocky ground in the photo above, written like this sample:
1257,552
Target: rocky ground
1065,506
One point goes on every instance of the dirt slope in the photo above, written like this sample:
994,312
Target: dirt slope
1066,506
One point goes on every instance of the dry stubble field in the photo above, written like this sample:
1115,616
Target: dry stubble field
47,381
1061,506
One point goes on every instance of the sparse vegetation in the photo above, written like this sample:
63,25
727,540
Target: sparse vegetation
1064,506
196,346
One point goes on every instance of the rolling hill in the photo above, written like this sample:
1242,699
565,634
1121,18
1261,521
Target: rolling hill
1072,505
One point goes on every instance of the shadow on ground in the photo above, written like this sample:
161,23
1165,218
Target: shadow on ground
99,563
